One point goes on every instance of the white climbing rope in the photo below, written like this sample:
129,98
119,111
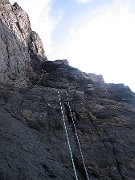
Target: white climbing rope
67,136
77,137
40,78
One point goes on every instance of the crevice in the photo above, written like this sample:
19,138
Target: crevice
80,168
48,172
68,113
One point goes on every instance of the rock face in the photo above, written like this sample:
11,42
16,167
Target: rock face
19,45
33,141
32,137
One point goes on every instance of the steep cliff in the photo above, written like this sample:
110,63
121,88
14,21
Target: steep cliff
20,47
33,142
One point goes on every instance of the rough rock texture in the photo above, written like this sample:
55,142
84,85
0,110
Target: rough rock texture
33,142
32,137
19,45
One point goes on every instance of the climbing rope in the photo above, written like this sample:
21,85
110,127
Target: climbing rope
67,136
77,137
40,78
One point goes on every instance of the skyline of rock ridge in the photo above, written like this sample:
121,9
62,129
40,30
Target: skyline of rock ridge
20,47
37,94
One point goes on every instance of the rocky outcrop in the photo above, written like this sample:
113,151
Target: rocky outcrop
20,47
33,141
32,138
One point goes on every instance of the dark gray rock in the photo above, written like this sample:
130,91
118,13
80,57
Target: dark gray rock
33,142
19,45
32,138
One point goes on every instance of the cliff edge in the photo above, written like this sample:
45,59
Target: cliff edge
20,47
34,96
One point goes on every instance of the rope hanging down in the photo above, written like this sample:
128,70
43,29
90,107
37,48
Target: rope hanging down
77,137
67,136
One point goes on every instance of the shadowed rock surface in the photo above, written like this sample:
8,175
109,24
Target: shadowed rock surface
32,138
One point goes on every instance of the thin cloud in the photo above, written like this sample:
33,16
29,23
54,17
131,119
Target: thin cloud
83,1
104,44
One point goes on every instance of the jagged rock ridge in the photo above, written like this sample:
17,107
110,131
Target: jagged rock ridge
32,137
20,47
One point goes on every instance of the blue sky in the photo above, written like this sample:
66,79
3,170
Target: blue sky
96,36
72,14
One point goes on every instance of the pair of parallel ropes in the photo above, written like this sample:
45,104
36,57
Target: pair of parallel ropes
67,134
76,134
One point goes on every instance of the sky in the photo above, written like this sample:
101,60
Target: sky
96,36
